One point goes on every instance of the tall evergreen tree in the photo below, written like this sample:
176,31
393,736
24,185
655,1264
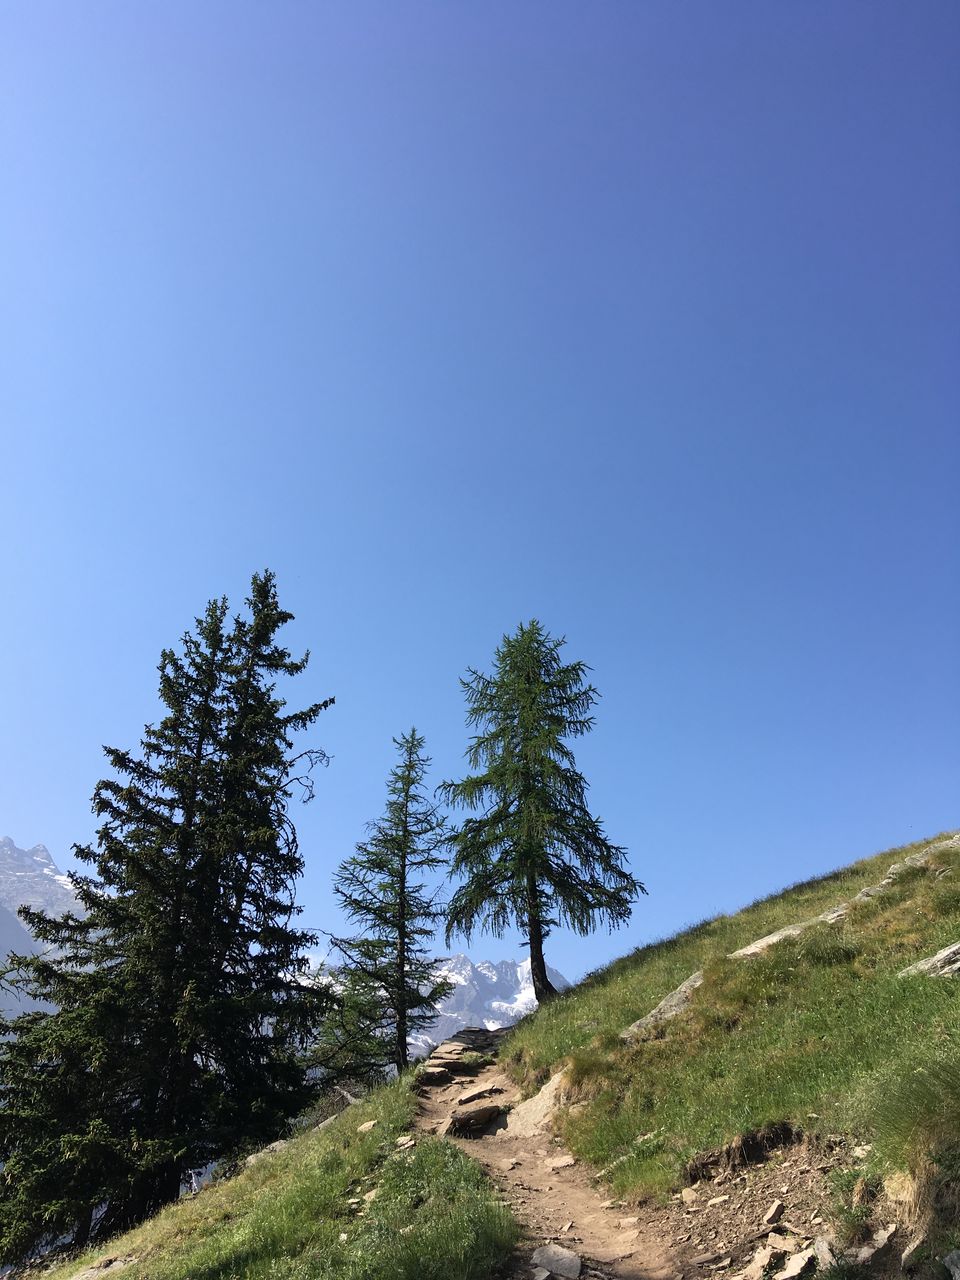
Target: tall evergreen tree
391,984
534,856
175,1023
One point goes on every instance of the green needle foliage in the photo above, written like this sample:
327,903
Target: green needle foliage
390,983
534,856
174,1024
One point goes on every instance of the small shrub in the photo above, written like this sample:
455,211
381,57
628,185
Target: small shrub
477,1060
842,1269
852,1207
917,1124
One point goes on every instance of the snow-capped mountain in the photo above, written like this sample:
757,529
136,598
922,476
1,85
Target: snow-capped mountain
484,995
30,877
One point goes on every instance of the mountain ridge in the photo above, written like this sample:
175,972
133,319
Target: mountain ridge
487,993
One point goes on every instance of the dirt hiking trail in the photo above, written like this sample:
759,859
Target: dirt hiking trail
552,1195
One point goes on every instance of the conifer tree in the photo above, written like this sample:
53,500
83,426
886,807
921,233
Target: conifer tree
534,856
175,1023
392,985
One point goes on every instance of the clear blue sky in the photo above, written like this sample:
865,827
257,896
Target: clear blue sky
638,318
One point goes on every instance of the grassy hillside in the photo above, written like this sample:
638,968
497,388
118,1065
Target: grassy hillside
299,1213
817,1030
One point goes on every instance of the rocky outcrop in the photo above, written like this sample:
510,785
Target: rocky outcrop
533,1116
680,998
668,1008
557,1261
945,964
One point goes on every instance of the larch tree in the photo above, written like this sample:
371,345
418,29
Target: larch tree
390,981
176,1021
531,854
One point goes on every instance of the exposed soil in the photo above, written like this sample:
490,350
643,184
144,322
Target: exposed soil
553,1197
712,1228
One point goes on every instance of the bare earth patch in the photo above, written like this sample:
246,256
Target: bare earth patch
771,1205
554,1196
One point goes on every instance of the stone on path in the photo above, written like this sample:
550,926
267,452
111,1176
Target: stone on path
615,1252
879,1242
474,1095
774,1213
797,1265
466,1124
825,1258
561,1162
433,1075
558,1261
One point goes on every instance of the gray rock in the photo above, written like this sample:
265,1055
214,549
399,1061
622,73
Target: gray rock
880,1241
911,1254
266,1151
433,1075
774,1213
474,1095
105,1267
945,964
952,1263
825,1258
797,1265
469,1124
679,999
558,1261
668,1008
561,1162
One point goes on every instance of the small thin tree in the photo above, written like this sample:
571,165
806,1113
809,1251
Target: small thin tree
386,968
534,856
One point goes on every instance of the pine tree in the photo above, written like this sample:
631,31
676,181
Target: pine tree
392,986
176,1022
535,856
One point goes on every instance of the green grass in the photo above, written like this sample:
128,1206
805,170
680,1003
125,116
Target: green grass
434,1215
818,1030
808,1032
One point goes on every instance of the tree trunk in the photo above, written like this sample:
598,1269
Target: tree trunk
543,988
400,1046
81,1232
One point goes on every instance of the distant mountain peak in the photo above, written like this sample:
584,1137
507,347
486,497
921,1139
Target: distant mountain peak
486,993
31,878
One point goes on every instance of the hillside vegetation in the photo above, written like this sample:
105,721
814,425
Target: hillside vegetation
300,1212
818,1030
